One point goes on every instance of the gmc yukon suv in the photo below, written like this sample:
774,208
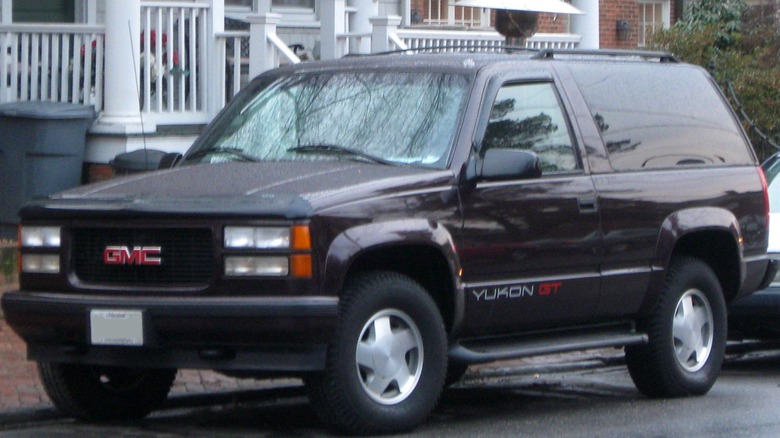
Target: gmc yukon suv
375,225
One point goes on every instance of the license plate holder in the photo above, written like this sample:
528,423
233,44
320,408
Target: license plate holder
116,327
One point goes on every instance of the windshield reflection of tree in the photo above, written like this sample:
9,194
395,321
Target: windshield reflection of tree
408,118
517,134
536,133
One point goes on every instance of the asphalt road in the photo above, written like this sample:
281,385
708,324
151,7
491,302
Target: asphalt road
584,397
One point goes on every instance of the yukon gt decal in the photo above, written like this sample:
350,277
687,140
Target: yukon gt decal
515,291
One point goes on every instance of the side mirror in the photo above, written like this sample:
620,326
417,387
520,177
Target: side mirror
501,164
169,160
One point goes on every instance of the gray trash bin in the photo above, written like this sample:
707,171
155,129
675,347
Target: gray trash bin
41,152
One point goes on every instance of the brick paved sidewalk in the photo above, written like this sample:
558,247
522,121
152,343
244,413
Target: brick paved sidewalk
20,387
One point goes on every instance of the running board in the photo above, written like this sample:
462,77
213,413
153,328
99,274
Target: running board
539,343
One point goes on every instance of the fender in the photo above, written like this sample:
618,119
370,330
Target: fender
348,246
676,226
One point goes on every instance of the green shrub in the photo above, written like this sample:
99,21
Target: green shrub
742,46
7,264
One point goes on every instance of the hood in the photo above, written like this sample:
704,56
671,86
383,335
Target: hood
275,189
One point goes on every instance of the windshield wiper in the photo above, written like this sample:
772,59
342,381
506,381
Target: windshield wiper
236,152
336,149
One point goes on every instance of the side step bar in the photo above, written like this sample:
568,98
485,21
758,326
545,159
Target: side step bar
539,343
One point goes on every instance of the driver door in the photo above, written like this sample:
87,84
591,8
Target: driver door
531,246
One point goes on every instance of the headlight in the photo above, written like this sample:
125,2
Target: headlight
256,266
40,237
40,263
257,237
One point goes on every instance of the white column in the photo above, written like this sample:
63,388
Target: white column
215,70
360,23
6,11
121,111
484,17
262,53
587,25
261,6
382,28
406,13
332,25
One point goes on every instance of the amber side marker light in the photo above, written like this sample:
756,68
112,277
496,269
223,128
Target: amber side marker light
301,238
301,264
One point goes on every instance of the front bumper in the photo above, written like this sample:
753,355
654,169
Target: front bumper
284,334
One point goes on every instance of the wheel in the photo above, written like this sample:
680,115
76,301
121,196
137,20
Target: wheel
387,362
95,393
687,334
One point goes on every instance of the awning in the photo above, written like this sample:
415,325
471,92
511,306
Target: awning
551,6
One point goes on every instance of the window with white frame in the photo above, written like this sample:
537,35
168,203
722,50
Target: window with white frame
248,4
653,16
444,13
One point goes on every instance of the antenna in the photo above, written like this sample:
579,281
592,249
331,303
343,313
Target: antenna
138,95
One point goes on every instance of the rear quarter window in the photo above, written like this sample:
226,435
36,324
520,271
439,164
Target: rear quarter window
660,116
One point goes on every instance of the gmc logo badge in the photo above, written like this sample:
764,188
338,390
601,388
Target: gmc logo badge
139,255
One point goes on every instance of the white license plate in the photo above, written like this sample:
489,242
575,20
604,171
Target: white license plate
116,327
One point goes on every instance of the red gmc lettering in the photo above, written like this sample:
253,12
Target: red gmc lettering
139,255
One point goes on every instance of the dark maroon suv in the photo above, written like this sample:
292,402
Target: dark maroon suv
376,224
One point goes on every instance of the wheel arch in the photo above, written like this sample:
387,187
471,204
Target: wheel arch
420,249
710,234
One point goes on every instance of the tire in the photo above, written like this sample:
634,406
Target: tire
95,393
388,384
687,334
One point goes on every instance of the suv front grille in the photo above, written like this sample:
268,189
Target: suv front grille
186,255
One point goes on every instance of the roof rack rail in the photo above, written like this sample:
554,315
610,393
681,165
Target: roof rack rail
661,56
461,48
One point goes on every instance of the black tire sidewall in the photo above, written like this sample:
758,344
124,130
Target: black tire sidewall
368,295
77,391
656,369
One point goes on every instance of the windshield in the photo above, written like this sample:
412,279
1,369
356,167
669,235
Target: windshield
388,117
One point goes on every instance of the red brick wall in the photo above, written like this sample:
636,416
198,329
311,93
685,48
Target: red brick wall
551,23
420,6
610,11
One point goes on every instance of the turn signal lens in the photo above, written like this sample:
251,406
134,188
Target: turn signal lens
301,266
301,238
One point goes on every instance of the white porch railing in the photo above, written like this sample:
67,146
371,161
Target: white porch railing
174,62
553,41
477,41
233,51
65,63
60,63
448,40
245,54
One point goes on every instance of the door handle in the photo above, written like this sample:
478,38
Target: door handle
588,205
